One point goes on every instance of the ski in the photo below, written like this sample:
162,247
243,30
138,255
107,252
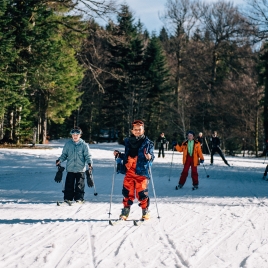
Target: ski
113,223
194,188
135,222
69,203
138,222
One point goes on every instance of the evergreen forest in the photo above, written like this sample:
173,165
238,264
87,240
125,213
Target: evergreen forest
205,70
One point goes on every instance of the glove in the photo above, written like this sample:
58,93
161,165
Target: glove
90,167
201,161
58,176
90,182
116,154
57,162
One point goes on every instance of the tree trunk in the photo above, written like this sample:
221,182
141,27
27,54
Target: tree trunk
44,127
11,125
2,127
257,135
265,109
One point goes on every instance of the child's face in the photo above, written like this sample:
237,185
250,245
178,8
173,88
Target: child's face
137,130
76,137
190,137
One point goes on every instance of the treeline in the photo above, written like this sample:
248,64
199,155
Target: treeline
205,70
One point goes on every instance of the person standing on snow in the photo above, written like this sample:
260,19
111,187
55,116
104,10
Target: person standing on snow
200,138
215,147
137,158
191,153
161,141
76,152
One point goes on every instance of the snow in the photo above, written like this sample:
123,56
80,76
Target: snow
222,224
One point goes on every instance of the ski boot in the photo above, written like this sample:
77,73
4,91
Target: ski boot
124,213
178,187
80,201
145,214
226,163
195,187
69,202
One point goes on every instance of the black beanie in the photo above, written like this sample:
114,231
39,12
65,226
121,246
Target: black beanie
190,132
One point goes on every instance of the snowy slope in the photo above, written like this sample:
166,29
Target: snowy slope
222,224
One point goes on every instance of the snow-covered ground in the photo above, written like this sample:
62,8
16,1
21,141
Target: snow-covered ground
222,224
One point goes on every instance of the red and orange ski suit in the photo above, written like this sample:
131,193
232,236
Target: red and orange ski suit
190,161
134,186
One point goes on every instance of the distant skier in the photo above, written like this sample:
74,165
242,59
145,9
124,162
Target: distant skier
138,155
215,147
161,141
77,153
200,138
191,153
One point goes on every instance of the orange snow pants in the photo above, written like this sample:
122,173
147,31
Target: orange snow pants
135,186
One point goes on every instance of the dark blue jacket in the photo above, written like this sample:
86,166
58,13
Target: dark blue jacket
142,167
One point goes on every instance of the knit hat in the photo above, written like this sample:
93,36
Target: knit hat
190,132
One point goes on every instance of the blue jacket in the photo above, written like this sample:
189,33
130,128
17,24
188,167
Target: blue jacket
77,156
142,167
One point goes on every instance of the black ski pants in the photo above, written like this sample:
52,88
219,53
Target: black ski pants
74,186
161,150
217,150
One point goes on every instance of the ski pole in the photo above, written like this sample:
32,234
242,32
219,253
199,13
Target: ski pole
265,158
112,189
207,145
63,185
95,192
205,170
151,176
171,164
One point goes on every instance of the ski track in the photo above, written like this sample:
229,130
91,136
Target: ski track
180,261
90,249
116,242
182,229
203,254
207,228
60,262
39,239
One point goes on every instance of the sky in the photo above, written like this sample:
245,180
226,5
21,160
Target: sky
148,11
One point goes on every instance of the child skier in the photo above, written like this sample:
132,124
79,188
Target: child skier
138,155
191,153
78,155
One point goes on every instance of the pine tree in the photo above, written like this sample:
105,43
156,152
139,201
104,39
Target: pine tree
126,56
158,87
